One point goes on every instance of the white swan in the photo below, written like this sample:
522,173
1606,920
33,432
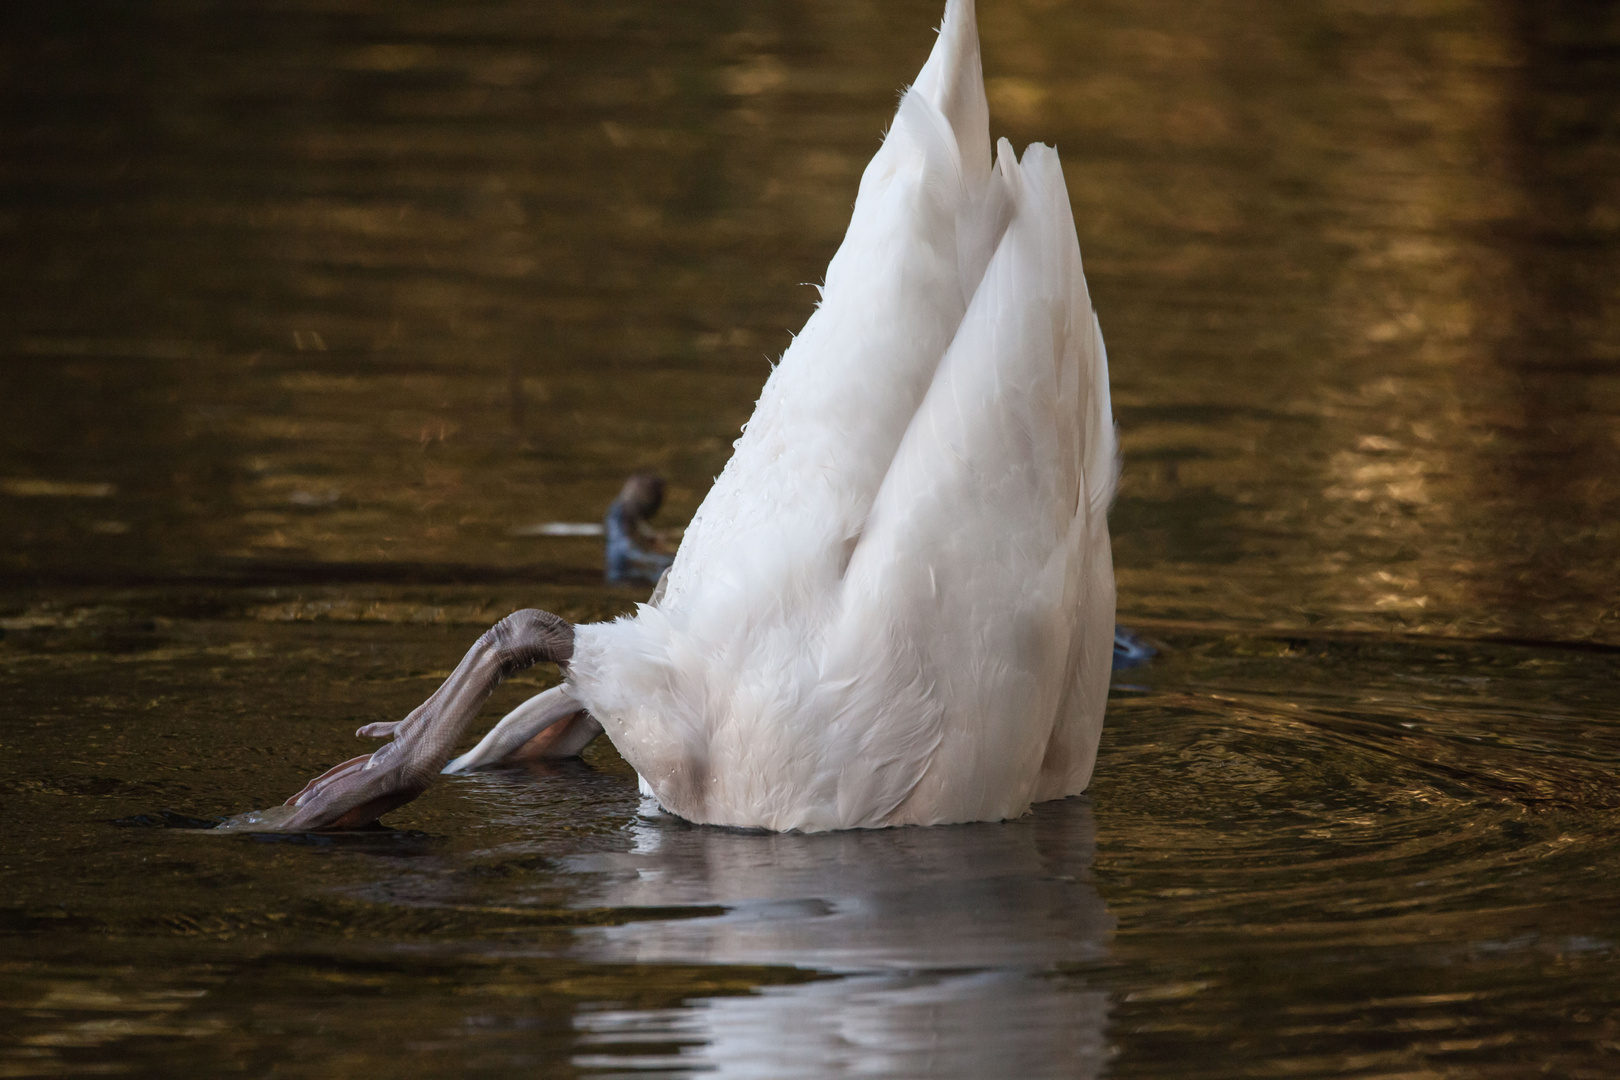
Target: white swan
896,605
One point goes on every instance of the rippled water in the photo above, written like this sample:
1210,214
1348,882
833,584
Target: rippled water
311,312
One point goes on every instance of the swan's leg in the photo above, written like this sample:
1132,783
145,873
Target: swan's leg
568,739
548,725
360,791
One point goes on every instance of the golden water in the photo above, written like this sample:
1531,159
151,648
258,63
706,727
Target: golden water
308,310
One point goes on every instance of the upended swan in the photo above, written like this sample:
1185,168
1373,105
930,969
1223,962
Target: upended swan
896,604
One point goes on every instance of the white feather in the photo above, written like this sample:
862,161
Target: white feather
896,604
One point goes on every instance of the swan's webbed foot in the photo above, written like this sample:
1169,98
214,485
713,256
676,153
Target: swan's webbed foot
349,796
363,789
550,726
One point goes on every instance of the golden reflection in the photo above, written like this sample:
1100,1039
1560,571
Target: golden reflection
331,301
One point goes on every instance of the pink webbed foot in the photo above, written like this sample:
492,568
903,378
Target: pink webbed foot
550,726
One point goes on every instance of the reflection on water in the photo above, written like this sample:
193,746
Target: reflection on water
1001,903
965,897
927,1025
312,311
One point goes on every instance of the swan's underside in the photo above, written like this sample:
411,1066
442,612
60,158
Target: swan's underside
896,604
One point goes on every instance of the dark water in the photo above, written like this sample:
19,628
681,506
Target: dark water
308,309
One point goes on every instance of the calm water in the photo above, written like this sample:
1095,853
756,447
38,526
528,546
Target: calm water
308,309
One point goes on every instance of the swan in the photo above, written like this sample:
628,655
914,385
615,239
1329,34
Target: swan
896,604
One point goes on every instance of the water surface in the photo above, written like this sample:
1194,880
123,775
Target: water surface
312,311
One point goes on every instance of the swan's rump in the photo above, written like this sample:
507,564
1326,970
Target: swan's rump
896,605
985,565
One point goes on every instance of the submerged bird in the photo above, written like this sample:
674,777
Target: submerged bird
623,559
896,604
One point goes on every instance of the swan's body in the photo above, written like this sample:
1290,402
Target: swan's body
896,604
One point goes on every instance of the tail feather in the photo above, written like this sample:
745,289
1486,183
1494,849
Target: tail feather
953,81
896,603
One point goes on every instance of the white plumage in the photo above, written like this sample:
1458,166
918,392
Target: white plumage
896,605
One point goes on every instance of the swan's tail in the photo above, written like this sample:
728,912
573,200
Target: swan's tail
984,577
896,602
829,419
953,82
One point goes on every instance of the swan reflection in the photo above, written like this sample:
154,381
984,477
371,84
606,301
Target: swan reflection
940,944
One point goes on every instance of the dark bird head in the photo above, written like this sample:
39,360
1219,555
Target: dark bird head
642,494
